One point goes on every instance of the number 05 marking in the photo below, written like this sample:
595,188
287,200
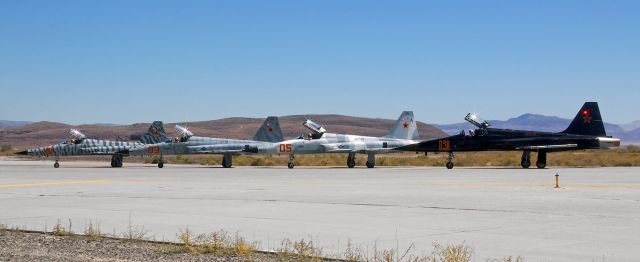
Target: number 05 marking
285,148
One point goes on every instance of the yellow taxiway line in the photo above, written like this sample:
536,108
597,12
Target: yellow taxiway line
54,183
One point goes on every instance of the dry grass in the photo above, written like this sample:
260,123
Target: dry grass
134,232
93,231
61,230
302,250
223,244
219,243
626,156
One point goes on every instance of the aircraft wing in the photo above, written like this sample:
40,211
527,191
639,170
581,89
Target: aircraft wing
358,147
547,147
97,150
216,149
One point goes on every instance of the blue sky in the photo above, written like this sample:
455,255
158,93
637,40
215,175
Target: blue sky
138,61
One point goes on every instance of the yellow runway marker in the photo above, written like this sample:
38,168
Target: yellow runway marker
54,183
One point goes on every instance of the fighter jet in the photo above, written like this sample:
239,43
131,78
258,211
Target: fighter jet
404,132
186,143
81,145
585,132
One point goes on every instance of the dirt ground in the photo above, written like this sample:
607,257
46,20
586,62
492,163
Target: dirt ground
32,246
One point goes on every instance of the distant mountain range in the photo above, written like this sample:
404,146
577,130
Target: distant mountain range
629,133
8,123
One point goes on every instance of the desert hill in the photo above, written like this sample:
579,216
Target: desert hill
46,133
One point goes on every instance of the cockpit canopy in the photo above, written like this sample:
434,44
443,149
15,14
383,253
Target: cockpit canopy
477,121
316,130
184,133
77,136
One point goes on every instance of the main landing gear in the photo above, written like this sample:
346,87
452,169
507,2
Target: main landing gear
351,160
540,163
542,159
526,159
371,160
450,160
292,158
56,165
116,160
227,160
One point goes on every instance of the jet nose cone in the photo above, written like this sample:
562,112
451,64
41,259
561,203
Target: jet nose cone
22,153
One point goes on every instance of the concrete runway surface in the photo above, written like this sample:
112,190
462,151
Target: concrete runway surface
594,216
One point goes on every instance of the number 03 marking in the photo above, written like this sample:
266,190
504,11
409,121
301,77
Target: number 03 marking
444,145
153,150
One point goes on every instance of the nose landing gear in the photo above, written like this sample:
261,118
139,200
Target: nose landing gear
450,160
291,164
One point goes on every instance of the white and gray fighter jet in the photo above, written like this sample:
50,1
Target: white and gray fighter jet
187,143
404,132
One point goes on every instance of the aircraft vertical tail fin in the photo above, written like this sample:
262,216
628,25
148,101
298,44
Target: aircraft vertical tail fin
269,131
588,121
155,134
405,127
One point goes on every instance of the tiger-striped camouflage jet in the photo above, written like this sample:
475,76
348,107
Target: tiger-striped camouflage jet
81,145
186,143
404,132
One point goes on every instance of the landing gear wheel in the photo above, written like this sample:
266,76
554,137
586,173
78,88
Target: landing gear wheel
227,160
351,164
370,165
371,160
291,164
116,161
160,164
449,165
351,160
542,159
450,160
56,165
526,159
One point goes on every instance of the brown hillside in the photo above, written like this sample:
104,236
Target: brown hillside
45,133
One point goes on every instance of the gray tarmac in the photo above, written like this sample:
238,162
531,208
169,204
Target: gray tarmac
593,216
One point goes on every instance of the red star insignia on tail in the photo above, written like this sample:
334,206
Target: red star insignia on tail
586,116
154,131
405,125
269,128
